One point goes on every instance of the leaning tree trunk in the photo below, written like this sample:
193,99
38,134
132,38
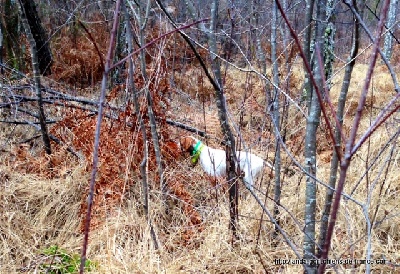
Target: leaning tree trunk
313,120
223,119
36,78
216,82
44,57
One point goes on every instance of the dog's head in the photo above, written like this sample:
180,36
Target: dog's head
188,143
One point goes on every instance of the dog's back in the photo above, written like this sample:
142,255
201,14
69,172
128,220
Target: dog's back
250,164
213,162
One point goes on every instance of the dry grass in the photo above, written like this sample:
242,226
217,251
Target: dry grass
38,211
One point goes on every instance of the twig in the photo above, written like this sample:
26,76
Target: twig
97,137
383,56
308,68
378,121
386,27
22,75
336,147
153,41
277,226
374,161
350,143
29,139
93,42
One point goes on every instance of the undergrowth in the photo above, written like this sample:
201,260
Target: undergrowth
59,261
44,198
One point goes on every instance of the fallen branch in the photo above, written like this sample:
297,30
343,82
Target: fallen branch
26,123
30,139
57,98
188,128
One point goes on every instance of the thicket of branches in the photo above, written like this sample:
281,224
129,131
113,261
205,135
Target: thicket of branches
127,79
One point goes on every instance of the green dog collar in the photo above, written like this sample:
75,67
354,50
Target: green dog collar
196,152
196,147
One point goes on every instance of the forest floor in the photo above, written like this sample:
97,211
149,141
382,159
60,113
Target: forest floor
43,197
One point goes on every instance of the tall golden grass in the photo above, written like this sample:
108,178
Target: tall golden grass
38,211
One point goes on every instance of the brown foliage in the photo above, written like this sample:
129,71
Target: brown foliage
76,60
120,153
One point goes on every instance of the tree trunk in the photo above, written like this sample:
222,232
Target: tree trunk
1,48
10,22
276,117
39,36
36,78
313,120
329,41
388,42
256,19
338,140
223,119
307,88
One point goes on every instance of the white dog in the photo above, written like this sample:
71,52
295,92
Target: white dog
213,161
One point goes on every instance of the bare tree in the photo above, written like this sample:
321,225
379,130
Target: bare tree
276,115
36,76
256,18
351,60
352,147
39,35
217,83
96,145
133,91
231,161
283,123
310,149
10,24
142,16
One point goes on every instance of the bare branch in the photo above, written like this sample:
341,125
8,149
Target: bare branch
97,137
385,60
153,41
350,143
